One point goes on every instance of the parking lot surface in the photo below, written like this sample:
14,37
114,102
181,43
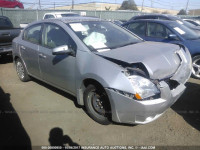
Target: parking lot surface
38,114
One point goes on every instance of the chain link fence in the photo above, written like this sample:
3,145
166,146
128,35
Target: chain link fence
19,16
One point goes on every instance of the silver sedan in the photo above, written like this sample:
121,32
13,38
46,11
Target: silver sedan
113,73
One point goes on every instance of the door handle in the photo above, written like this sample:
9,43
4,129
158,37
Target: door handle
42,56
22,47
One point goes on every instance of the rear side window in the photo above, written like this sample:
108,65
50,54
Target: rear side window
54,36
163,18
5,23
48,16
146,17
138,28
32,34
157,30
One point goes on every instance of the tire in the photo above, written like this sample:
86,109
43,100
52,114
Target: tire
196,67
21,71
97,104
17,7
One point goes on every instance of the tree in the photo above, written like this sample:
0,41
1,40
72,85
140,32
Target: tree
128,5
182,12
108,8
165,12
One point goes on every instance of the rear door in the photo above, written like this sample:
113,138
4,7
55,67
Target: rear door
58,70
29,48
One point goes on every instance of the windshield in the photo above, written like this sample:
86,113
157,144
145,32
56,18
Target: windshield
103,35
70,15
184,31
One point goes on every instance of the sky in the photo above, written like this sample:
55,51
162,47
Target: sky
166,4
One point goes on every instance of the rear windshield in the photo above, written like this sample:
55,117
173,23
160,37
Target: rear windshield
5,23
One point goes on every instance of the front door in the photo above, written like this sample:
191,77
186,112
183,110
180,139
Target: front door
58,70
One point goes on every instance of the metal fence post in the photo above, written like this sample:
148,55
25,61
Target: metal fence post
37,14
2,11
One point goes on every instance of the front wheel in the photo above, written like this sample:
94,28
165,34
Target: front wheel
97,104
196,67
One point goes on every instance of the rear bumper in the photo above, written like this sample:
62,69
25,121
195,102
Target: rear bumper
126,110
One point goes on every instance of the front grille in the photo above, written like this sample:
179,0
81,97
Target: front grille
172,83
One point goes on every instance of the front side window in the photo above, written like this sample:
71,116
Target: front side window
138,28
157,30
32,34
102,35
54,36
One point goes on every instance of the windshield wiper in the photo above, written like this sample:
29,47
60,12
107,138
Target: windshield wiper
124,45
194,38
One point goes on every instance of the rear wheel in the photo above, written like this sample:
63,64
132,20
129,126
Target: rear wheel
196,67
21,71
97,104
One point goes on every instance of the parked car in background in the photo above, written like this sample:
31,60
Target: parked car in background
11,4
192,21
118,22
168,17
60,15
54,15
112,72
169,32
7,34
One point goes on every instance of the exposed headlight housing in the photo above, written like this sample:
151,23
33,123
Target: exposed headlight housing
143,87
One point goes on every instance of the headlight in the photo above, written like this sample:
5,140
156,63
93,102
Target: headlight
143,87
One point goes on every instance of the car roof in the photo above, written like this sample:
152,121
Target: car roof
171,17
65,20
68,20
152,20
59,13
76,19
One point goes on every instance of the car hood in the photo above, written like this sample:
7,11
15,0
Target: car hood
160,59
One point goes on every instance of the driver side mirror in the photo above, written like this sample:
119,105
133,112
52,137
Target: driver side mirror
173,37
64,49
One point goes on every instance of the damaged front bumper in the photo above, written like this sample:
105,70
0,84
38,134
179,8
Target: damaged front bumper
129,110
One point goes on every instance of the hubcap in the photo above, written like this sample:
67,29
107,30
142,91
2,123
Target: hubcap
97,103
20,70
196,68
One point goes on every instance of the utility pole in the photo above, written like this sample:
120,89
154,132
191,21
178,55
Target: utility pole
142,5
54,6
39,5
151,3
72,4
186,6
